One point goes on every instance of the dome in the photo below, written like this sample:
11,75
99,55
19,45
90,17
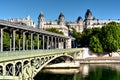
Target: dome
88,14
79,19
61,15
41,14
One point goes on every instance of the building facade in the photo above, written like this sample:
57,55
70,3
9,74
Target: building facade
62,25
59,25
24,21
91,22
80,24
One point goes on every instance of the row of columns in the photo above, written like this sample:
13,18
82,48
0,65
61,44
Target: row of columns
52,42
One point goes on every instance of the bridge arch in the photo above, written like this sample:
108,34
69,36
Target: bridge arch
51,58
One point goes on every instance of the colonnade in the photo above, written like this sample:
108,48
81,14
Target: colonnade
48,41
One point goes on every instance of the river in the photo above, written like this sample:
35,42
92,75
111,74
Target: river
85,72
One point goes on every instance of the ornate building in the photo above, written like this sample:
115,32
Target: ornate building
61,24
24,21
91,22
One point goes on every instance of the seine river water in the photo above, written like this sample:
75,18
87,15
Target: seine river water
85,72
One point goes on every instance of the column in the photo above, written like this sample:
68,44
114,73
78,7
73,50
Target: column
31,41
61,43
43,41
14,33
10,41
48,46
23,40
1,40
38,43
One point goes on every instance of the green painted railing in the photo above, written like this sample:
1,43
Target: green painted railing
7,55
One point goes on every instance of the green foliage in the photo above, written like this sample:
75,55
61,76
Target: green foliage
76,34
85,37
111,37
105,39
54,30
6,41
95,44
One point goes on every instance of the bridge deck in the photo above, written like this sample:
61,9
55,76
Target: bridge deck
16,55
28,28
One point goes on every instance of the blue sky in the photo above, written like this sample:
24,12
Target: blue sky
101,9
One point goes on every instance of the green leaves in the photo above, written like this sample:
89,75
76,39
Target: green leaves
95,44
54,30
105,39
111,37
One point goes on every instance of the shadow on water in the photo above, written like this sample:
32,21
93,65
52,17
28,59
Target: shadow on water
86,72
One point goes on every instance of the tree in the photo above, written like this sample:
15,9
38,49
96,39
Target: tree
77,37
6,41
105,39
95,44
111,37
54,30
85,37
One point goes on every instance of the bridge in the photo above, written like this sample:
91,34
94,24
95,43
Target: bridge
19,62
24,65
48,40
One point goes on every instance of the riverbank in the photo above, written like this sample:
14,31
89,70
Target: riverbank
99,60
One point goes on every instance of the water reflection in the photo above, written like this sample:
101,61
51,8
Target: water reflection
85,72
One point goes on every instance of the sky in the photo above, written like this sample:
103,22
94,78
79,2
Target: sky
101,9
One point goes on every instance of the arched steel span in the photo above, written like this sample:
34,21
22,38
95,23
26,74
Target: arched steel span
24,65
50,61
